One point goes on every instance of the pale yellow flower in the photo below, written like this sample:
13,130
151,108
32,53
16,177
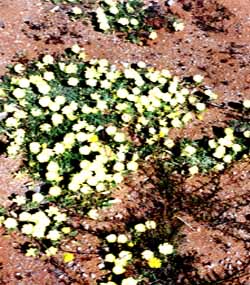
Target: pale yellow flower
10,223
147,254
111,238
118,270
140,228
166,248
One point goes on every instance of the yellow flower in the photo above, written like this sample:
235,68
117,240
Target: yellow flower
55,191
178,26
132,166
200,106
43,87
53,235
228,158
163,132
129,281
35,147
76,10
111,130
111,238
198,78
59,148
118,178
57,119
147,254
153,35
66,230
122,238
219,151
27,229
246,103
24,83
154,262
113,10
193,170
37,197
119,166
71,68
10,223
122,93
53,106
19,68
68,257
188,151
166,248
48,75
48,59
19,93
119,137
45,155
110,258
150,225
31,252
140,228
93,138
73,81
60,99
123,21
93,214
118,269
51,251
44,101
236,147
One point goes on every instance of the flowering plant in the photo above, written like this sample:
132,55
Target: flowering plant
134,257
133,20
82,125
205,154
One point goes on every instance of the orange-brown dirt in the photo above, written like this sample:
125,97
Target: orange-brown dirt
212,212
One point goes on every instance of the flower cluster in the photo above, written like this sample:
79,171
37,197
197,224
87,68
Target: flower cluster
136,252
133,19
83,124
35,217
228,145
